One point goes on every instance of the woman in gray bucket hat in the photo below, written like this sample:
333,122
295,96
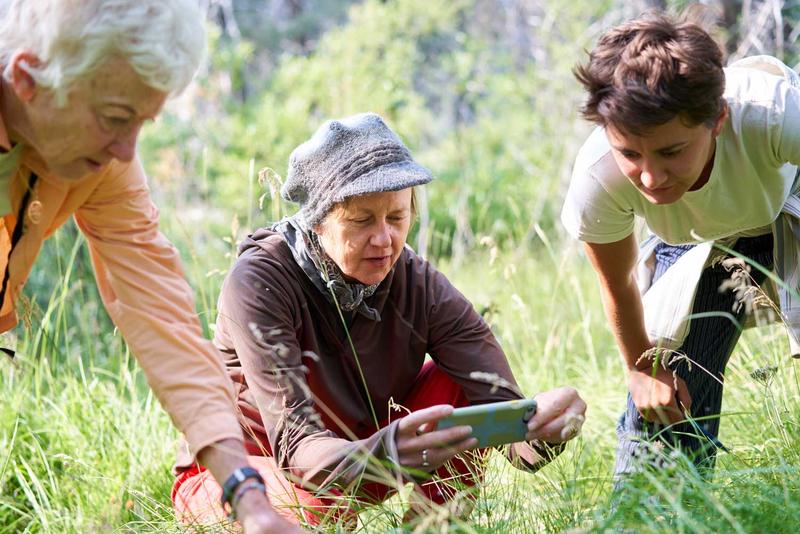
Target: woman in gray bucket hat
327,317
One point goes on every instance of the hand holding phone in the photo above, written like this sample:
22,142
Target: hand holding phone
423,446
559,416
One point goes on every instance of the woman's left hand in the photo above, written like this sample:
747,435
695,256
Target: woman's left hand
559,416
421,446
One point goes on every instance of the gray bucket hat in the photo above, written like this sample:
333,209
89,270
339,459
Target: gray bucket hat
345,158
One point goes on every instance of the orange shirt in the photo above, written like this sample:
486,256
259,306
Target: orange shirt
140,279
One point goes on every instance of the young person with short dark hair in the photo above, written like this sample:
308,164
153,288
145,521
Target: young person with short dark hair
703,154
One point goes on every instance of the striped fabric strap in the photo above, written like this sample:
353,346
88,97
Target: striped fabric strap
17,235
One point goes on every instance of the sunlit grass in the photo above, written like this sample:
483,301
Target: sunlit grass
84,447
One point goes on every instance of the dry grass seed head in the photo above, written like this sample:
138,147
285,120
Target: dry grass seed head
764,375
667,358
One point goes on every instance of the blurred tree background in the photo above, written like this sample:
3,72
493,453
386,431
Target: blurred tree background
480,90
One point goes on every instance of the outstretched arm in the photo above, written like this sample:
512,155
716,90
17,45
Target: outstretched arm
143,288
652,392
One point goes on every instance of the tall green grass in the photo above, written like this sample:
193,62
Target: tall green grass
84,447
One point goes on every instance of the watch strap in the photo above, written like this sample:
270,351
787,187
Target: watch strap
237,477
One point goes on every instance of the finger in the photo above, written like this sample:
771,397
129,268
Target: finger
439,438
549,406
674,412
427,427
442,455
652,414
647,414
566,426
664,415
454,449
410,423
437,456
667,414
560,429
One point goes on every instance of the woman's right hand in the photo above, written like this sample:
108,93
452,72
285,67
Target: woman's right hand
656,396
418,440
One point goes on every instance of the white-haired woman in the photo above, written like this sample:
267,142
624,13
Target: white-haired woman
326,319
79,80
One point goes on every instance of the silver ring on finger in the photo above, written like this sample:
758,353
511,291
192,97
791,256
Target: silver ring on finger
425,462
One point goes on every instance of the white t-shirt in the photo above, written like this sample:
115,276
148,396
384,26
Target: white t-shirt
755,165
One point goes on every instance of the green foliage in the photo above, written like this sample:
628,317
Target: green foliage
493,119
85,447
480,90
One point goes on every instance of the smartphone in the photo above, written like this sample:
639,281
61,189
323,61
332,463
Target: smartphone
496,423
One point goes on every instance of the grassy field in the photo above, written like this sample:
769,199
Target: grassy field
485,98
84,447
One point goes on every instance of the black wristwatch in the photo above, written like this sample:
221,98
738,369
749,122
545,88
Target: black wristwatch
237,477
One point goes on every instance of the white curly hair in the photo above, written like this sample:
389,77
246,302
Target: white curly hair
163,40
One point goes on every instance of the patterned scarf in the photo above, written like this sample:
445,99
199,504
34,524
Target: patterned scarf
322,271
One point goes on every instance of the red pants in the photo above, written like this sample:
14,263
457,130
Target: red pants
196,495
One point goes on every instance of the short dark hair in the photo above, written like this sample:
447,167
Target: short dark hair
651,69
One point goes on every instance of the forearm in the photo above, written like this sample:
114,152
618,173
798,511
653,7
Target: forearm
652,390
324,460
657,394
223,458
623,307
615,264
141,282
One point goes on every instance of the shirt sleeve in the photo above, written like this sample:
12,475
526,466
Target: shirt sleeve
257,312
590,213
463,346
788,142
142,285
